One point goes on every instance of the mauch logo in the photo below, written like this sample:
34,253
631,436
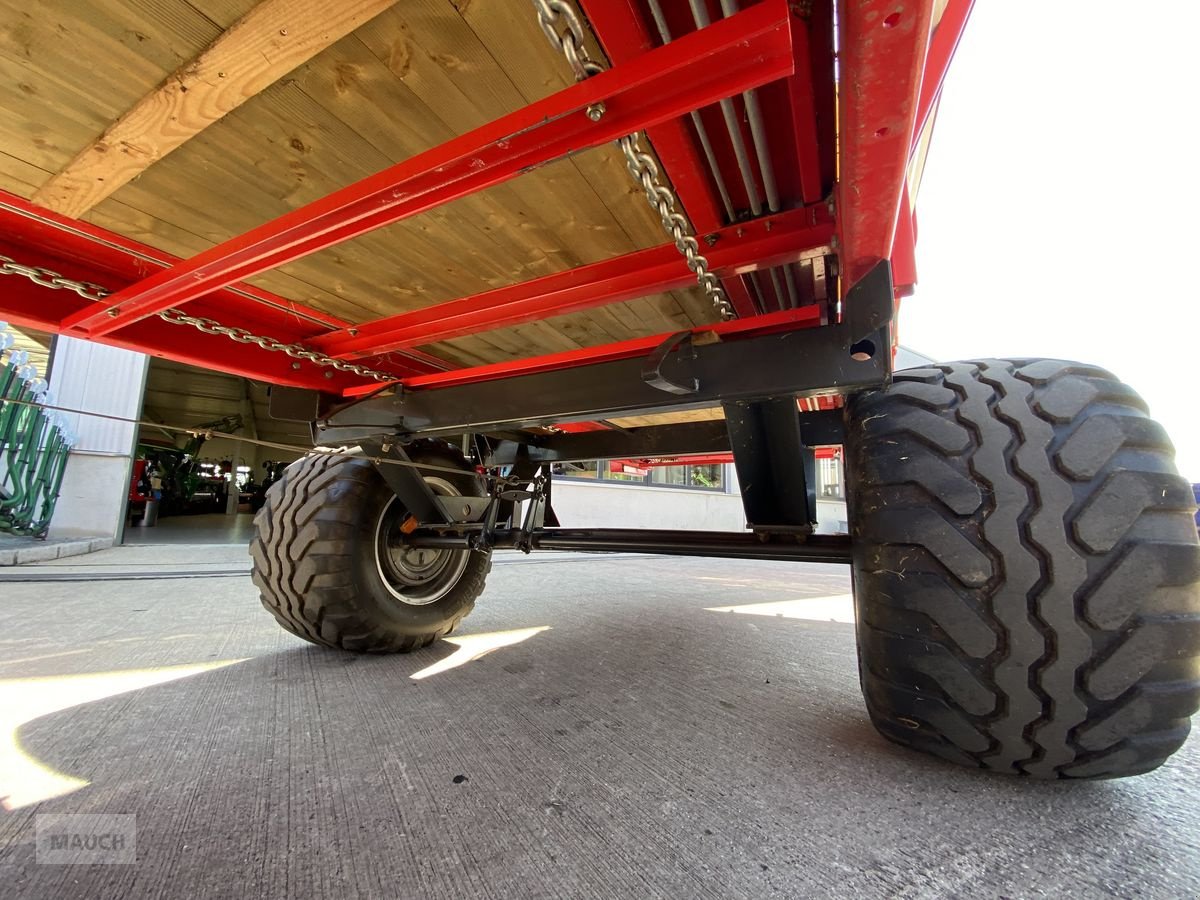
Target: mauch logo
86,839
87,842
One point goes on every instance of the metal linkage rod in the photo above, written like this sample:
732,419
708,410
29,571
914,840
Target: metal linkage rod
700,14
664,32
731,545
758,130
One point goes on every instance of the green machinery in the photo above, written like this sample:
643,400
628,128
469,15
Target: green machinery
34,444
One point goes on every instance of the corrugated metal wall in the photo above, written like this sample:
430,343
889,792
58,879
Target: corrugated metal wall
99,379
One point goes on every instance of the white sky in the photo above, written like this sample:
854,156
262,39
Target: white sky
1058,213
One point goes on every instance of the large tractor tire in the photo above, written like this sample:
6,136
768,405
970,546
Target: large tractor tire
1025,569
331,563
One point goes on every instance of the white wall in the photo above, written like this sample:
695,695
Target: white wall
614,504
100,379
831,516
611,504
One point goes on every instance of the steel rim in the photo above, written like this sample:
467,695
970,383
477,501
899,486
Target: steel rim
416,576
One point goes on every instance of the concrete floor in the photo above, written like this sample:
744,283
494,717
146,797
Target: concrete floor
214,528
598,729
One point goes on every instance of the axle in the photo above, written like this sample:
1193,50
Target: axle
739,545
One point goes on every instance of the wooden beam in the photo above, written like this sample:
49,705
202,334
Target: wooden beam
260,48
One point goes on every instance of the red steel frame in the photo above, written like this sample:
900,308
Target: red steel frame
892,73
711,459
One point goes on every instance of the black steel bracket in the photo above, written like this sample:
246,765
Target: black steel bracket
652,371
776,472
407,482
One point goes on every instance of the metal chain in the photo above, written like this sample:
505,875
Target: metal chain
51,279
564,30
96,293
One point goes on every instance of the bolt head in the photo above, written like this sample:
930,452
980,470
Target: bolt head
595,112
295,365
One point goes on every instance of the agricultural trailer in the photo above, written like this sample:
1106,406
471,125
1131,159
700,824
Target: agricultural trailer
466,243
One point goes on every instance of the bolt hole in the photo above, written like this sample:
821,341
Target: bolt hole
862,351
881,132
892,21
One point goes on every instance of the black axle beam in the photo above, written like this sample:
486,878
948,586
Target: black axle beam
731,545
850,356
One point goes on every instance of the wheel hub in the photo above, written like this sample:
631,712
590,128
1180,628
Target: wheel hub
415,575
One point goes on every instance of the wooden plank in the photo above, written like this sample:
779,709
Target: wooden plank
266,44
670,418
20,177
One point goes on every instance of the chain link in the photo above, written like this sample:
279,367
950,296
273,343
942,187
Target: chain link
96,293
51,279
563,28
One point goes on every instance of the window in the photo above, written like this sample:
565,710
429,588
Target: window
829,478
588,468
710,475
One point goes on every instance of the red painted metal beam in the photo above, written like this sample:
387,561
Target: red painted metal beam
700,459
746,50
28,305
946,35
904,249
35,236
624,34
882,60
803,102
710,459
734,250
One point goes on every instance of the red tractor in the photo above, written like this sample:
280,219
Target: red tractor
472,243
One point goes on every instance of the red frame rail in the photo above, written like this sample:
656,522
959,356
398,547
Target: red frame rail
892,70
736,249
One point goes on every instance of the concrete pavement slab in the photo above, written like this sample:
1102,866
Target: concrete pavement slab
601,727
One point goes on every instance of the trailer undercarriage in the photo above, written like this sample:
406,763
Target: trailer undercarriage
691,236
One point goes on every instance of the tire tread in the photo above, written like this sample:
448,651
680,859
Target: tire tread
1044,620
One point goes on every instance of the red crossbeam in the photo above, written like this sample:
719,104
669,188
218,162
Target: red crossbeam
743,51
78,250
733,251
